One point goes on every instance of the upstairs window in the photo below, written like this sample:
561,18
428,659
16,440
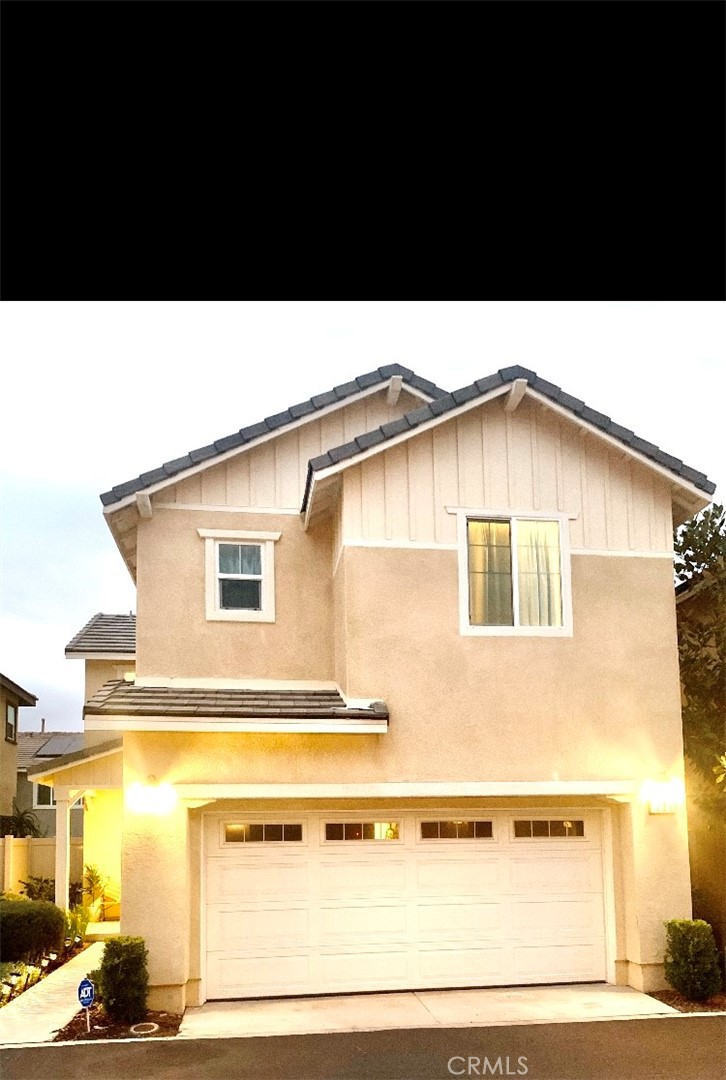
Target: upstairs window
43,796
240,575
11,723
514,578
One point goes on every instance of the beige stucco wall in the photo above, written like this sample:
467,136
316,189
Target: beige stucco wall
99,672
8,757
174,637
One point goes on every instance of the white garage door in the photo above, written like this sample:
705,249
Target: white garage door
331,903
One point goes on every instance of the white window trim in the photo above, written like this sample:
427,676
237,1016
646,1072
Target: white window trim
43,806
266,540
464,514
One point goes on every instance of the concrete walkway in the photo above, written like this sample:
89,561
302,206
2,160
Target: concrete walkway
425,1009
36,1015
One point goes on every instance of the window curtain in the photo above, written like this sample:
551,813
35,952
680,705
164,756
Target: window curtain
540,586
490,573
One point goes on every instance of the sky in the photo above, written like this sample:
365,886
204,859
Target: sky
95,393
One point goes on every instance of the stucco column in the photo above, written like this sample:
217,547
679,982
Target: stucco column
62,846
155,905
656,883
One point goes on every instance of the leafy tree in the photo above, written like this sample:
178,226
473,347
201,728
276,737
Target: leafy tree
700,558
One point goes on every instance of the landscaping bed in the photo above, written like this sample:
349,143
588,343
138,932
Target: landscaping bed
104,1028
716,1003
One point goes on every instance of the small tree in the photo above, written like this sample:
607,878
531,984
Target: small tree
700,557
691,959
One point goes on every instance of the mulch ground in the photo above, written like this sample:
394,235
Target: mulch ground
717,1003
104,1028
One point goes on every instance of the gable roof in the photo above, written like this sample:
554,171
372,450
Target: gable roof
36,746
24,696
270,424
347,452
105,634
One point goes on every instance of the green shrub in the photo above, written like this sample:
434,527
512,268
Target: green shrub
76,922
43,888
124,979
29,928
691,959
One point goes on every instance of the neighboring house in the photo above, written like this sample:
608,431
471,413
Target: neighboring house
406,699
696,603
12,698
35,748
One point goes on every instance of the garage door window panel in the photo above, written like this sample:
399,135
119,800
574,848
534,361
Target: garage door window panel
456,830
549,829
250,832
337,832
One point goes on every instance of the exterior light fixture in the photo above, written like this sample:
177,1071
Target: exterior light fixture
151,797
663,796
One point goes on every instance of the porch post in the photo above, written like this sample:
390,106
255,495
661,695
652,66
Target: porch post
62,846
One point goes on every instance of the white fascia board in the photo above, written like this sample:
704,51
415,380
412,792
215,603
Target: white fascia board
130,500
121,658
213,724
455,789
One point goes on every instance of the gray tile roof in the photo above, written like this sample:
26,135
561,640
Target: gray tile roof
105,634
448,402
270,423
33,745
76,758
127,699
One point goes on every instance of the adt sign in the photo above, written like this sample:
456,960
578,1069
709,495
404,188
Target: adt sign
86,993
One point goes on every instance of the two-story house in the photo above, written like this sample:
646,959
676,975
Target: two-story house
12,698
406,706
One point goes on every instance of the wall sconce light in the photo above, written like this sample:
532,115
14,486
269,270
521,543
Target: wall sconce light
151,797
663,796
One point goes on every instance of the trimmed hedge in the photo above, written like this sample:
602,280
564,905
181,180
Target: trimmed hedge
29,928
122,980
691,959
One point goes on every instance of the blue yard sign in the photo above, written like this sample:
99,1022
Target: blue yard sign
86,993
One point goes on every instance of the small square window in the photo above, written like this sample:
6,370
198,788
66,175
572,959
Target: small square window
292,832
447,830
240,575
484,830
429,830
334,831
273,833
540,828
522,829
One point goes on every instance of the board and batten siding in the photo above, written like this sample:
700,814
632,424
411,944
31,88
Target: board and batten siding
526,460
274,473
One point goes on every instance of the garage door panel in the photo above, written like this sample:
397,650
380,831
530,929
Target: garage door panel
474,965
346,969
358,921
354,877
245,926
246,976
458,917
560,916
553,872
561,962
436,875
257,879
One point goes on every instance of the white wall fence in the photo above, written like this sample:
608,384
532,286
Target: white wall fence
23,857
